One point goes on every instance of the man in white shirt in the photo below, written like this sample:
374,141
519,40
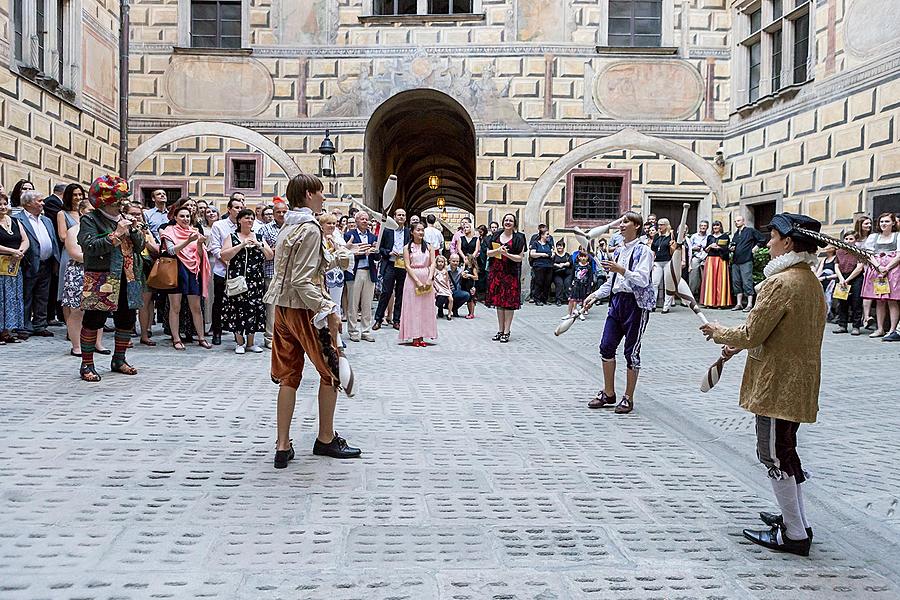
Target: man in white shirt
433,235
631,295
157,216
41,257
222,230
360,279
697,245
391,249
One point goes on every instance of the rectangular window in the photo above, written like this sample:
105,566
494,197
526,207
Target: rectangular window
40,33
60,39
801,48
756,20
18,25
777,9
216,23
244,174
755,70
449,7
596,198
635,23
776,60
395,7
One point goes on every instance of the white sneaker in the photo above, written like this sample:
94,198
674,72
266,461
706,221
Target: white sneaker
368,337
581,317
239,350
255,349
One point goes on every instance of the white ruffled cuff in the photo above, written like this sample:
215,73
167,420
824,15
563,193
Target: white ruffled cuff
320,321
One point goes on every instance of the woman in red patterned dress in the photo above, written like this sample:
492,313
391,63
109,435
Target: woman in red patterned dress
505,252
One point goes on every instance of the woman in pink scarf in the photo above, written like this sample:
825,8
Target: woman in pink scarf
184,242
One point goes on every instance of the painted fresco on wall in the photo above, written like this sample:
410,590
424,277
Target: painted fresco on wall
649,90
871,26
302,23
485,98
193,86
541,20
100,81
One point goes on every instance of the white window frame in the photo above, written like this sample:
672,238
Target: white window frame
744,39
368,9
667,39
70,79
184,27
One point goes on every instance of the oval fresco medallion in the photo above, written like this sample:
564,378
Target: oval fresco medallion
870,26
218,86
640,89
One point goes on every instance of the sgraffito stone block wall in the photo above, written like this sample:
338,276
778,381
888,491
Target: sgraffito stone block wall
532,79
49,137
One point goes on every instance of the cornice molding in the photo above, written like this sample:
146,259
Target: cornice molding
486,50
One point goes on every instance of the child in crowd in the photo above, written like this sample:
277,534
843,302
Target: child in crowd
582,281
443,296
850,281
468,281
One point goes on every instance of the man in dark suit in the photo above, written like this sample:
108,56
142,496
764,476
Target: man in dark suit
744,242
360,280
52,205
391,250
42,256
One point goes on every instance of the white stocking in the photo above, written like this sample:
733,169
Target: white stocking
786,495
802,508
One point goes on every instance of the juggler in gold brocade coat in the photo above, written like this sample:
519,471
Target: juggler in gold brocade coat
783,335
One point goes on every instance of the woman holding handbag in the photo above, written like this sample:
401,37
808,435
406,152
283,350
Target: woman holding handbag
882,282
13,246
244,312
186,244
417,318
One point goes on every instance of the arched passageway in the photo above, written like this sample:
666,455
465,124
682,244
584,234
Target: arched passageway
415,134
212,129
626,139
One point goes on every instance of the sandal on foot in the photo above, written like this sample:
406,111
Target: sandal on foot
178,345
147,342
123,367
497,337
89,374
204,344
504,339
625,406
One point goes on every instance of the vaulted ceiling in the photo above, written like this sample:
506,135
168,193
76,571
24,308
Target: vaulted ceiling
414,134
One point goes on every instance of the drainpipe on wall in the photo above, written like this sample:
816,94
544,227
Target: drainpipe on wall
124,27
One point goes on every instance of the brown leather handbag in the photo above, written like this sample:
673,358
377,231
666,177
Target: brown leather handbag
164,274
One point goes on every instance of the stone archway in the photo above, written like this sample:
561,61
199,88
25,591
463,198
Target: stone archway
626,139
212,129
414,134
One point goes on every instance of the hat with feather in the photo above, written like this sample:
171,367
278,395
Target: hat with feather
809,229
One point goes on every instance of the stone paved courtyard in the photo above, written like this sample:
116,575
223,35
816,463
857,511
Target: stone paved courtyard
483,476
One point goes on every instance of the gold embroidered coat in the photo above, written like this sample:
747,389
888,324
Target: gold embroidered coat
783,334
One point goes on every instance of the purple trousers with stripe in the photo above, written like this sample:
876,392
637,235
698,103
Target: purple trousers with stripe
624,320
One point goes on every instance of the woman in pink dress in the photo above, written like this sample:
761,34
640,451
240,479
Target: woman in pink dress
417,319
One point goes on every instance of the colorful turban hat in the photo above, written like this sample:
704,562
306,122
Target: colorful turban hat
108,190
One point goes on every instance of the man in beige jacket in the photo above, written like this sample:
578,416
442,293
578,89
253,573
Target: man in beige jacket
783,336
307,321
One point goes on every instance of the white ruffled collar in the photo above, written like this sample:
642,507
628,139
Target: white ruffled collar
786,261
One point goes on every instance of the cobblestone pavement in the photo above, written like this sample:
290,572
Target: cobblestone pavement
483,476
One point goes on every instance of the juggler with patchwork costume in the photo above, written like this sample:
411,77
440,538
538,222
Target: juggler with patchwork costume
632,297
783,336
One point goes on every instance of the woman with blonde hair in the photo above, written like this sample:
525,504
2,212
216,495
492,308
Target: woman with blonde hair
73,284
662,252
336,250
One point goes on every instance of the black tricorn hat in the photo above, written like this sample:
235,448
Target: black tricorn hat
809,229
799,227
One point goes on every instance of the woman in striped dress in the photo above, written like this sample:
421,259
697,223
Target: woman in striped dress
715,291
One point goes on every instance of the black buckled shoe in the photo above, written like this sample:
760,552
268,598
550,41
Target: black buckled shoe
601,400
337,448
283,456
769,539
625,406
773,520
